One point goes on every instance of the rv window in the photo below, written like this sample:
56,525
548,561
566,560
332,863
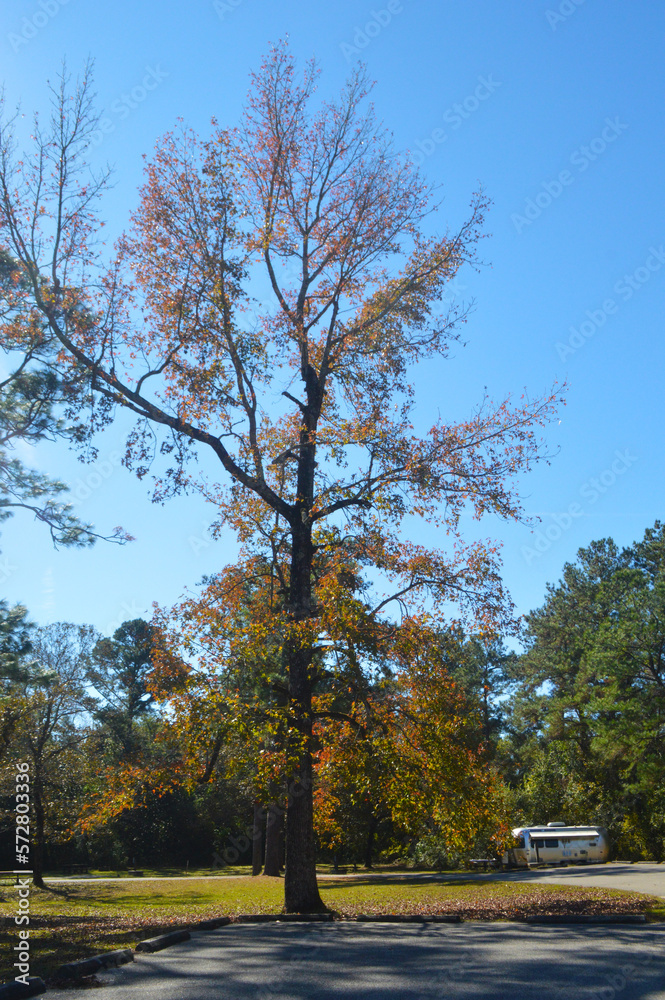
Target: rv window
520,841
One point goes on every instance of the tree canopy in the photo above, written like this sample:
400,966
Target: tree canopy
304,397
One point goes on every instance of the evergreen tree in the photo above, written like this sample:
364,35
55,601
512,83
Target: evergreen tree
592,687
118,670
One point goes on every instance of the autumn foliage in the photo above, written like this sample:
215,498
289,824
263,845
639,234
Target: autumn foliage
266,305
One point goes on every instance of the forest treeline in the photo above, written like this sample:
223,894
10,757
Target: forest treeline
144,751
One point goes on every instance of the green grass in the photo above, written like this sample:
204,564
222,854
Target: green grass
76,920
176,872
182,871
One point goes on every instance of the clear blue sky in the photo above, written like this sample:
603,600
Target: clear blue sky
556,108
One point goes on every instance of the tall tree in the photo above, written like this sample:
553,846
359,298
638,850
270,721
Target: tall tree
317,197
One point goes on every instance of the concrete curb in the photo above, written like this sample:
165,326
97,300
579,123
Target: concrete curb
587,918
408,918
163,941
386,918
266,918
112,959
88,966
77,970
211,925
14,990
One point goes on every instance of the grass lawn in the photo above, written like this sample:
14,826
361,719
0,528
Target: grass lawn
73,921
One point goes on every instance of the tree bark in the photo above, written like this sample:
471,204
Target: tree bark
37,843
274,828
257,838
369,843
301,893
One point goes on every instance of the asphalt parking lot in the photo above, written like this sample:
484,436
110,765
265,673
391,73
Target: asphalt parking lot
346,961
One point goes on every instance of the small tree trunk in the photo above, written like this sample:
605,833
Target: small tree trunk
282,844
274,828
257,838
369,843
37,856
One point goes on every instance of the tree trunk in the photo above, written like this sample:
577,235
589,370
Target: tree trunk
369,843
301,893
257,838
274,828
37,842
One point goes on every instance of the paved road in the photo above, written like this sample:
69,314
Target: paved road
649,878
646,877
348,961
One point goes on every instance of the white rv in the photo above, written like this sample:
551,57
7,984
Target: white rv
557,844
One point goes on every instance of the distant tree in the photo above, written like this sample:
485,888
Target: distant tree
118,670
481,666
50,699
16,633
15,646
151,818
